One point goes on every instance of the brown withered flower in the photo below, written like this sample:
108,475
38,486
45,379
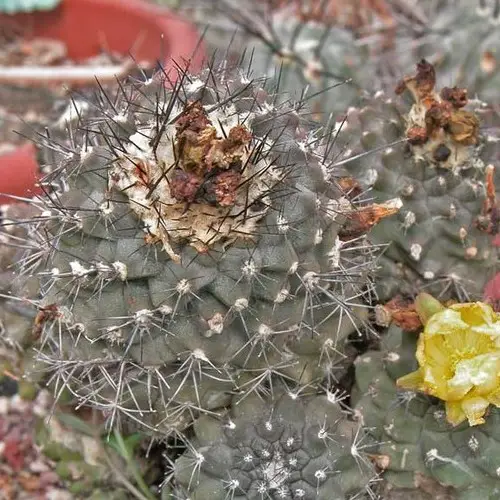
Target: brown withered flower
437,116
350,186
437,125
226,152
422,83
207,166
401,312
361,220
464,127
194,118
489,219
184,186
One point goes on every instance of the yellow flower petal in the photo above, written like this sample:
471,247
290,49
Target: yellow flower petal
437,351
413,381
476,313
445,322
435,382
420,354
480,372
455,415
474,409
492,330
494,398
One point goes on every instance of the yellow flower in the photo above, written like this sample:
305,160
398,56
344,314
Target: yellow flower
459,359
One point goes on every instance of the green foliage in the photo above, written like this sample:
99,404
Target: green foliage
125,447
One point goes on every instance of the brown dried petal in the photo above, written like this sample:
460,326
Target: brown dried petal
464,127
350,186
437,116
193,118
403,314
225,153
417,136
456,96
425,77
400,87
422,84
238,136
226,186
489,219
184,186
193,149
361,220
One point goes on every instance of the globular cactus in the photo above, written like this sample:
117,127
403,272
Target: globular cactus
435,156
192,244
420,439
287,446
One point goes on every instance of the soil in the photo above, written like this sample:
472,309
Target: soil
25,473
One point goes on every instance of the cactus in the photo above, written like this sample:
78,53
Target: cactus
289,446
321,44
435,157
16,316
461,38
417,441
193,244
308,51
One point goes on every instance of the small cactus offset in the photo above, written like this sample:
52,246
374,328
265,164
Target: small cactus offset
192,245
455,444
435,157
287,446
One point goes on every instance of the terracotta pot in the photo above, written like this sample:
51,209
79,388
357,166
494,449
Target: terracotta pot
146,31
18,174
